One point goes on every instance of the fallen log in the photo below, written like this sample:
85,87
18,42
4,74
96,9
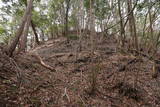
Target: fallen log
42,62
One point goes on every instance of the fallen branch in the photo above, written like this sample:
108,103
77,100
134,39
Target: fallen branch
42,62
61,55
82,101
146,56
128,63
65,94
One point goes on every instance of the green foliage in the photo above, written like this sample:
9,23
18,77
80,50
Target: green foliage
6,39
2,30
102,8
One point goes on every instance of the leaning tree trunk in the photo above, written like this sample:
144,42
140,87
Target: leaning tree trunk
23,41
34,29
19,32
35,32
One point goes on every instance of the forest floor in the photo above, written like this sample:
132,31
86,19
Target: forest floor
120,79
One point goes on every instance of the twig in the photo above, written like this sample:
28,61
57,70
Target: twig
65,94
82,101
18,71
123,17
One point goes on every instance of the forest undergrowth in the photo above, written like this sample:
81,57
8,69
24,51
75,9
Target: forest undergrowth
108,78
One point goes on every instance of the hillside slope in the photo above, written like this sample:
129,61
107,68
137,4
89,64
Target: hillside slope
120,79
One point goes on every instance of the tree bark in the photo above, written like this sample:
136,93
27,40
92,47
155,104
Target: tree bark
19,32
23,40
92,27
42,35
122,29
66,17
35,33
92,38
132,24
34,29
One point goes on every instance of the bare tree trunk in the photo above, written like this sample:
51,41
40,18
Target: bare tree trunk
19,32
81,24
51,34
42,35
92,26
34,29
92,38
122,29
66,17
79,28
23,40
35,32
150,22
151,29
145,22
32,42
132,24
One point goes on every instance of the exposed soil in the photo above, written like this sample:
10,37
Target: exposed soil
122,80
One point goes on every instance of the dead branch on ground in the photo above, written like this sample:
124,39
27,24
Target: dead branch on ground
42,62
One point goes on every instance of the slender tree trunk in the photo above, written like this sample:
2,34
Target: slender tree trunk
32,41
92,38
33,28
132,24
19,32
153,47
145,22
151,23
122,29
81,24
35,33
66,17
135,33
42,35
23,40
92,27
151,29
102,31
143,39
51,34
